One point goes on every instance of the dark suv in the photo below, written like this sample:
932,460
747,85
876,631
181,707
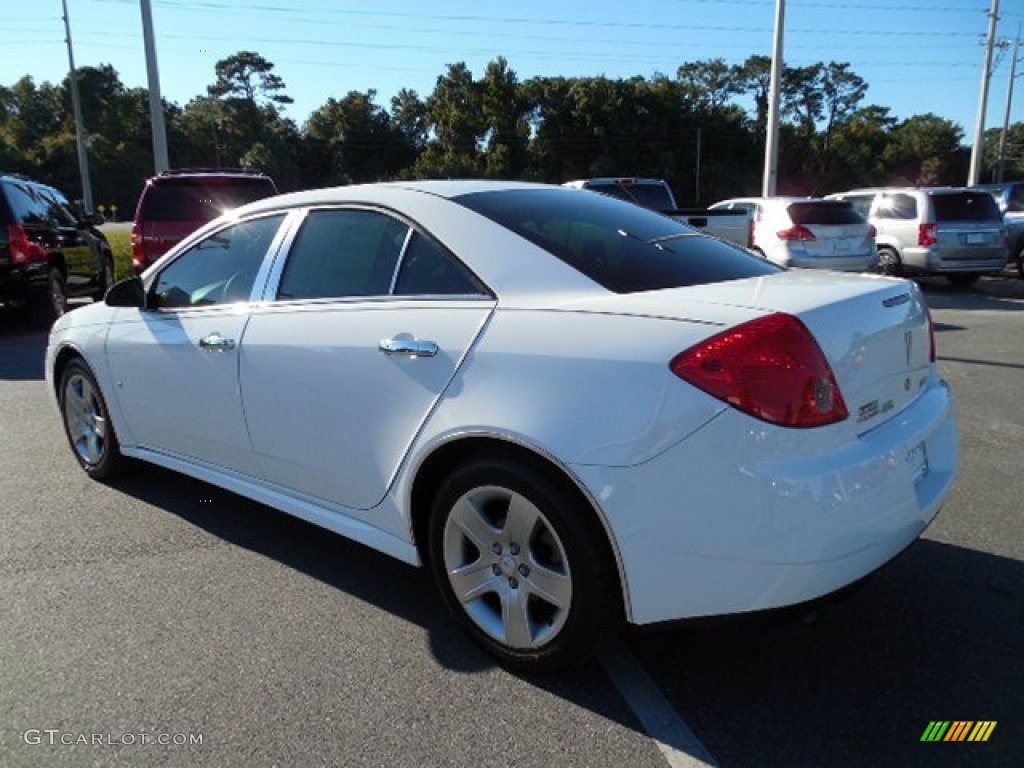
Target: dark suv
47,253
176,203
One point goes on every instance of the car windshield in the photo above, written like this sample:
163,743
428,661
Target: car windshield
824,212
966,206
622,247
202,200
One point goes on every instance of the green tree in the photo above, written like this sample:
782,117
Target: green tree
247,75
925,150
454,114
505,109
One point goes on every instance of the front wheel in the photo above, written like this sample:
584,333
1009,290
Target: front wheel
87,422
520,563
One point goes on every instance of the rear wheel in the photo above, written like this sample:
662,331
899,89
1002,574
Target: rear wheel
87,423
50,304
889,262
107,278
520,564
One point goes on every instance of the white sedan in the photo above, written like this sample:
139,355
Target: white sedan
573,410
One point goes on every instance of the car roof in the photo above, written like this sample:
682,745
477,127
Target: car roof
379,191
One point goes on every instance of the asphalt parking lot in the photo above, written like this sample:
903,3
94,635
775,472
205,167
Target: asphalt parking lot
139,616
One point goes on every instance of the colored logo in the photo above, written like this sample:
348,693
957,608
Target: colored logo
959,730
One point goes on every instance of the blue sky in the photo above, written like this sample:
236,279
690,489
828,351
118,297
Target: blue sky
917,56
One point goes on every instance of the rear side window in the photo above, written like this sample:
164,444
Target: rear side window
824,213
201,200
898,206
624,248
343,253
965,206
28,207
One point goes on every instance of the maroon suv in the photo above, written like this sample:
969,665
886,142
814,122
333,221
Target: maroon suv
176,203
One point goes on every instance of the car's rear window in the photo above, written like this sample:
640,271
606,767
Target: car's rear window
824,212
965,206
201,200
622,247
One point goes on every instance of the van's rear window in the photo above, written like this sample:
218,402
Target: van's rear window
201,201
824,212
966,206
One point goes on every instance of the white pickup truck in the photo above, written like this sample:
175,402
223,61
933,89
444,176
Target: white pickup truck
734,226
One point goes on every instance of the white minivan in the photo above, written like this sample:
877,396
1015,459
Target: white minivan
809,232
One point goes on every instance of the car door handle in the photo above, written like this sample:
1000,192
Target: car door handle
401,345
216,343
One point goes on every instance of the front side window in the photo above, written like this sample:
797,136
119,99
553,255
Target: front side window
220,269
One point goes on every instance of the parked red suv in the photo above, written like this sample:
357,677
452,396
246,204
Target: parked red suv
176,203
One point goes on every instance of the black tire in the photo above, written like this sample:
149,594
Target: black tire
521,564
889,262
964,280
1020,265
52,303
87,423
107,277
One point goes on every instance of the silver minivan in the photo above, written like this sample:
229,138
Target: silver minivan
950,231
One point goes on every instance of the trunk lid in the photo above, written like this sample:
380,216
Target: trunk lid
874,331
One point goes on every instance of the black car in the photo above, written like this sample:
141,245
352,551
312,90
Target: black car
47,253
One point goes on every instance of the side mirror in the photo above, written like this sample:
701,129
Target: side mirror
93,219
127,293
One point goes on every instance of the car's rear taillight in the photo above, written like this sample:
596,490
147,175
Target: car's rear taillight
138,254
872,232
927,234
23,250
771,368
796,232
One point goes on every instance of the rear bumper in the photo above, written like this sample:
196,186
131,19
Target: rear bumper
756,527
936,261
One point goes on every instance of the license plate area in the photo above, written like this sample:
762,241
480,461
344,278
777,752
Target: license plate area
975,238
917,462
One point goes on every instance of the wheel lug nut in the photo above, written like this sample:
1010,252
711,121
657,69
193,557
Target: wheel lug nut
496,548
513,582
496,569
514,549
524,571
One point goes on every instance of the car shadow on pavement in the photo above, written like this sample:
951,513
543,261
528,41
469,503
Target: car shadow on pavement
22,347
1000,293
357,570
936,636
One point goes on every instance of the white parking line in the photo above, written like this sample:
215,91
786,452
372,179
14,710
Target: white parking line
677,743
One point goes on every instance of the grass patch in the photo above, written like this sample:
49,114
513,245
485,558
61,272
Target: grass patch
121,244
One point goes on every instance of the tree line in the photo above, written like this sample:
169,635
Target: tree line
702,128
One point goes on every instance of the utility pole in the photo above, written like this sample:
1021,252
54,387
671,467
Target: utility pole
977,151
1006,115
771,145
76,108
156,107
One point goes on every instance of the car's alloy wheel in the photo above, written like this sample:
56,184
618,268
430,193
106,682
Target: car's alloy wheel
107,279
518,560
57,293
87,422
889,262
